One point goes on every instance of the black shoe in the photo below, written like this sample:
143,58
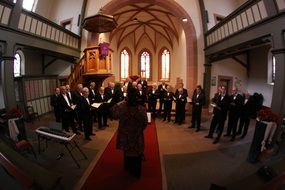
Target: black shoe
197,130
238,134
92,134
208,136
88,138
191,126
215,141
106,125
164,120
226,135
232,139
242,136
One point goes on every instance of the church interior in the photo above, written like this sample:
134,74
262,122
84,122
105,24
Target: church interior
234,45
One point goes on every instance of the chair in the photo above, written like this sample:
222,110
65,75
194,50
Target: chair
32,115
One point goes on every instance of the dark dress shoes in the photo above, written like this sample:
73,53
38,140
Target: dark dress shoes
88,138
208,136
215,141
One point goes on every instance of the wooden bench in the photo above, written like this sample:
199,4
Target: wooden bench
30,175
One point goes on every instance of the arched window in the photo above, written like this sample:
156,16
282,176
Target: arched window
164,67
145,65
29,5
125,64
19,63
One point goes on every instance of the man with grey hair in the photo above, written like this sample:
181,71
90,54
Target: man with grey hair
85,109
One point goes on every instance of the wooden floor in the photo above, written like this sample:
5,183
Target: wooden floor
173,139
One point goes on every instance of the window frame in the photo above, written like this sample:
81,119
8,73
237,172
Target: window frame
150,63
160,65
130,62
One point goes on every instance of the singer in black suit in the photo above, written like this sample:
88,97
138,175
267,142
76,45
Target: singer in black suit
245,115
85,110
220,115
103,109
162,89
152,95
181,101
54,103
235,105
198,100
167,99
141,95
67,113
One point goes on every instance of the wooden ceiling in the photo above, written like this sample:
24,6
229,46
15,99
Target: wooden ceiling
143,21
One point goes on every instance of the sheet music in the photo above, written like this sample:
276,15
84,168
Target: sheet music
96,105
213,104
189,99
109,101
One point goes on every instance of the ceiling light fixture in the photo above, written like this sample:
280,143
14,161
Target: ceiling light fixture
184,20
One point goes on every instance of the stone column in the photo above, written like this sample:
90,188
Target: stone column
207,80
7,74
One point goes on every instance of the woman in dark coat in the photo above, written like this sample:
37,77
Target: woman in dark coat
132,122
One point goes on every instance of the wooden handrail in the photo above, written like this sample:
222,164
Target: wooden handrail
25,180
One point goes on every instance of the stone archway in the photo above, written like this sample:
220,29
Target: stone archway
188,27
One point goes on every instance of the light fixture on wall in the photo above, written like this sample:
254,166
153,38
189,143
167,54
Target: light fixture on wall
99,23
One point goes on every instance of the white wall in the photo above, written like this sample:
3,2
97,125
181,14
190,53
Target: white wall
61,10
229,67
220,7
258,74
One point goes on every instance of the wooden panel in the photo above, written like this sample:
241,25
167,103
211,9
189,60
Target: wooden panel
230,26
1,12
44,109
47,87
57,35
38,105
280,4
256,13
39,28
32,89
34,26
239,22
48,31
36,88
40,83
6,16
22,21
46,103
44,28
28,23
249,16
34,105
244,19
27,90
262,9
235,28
44,87
52,33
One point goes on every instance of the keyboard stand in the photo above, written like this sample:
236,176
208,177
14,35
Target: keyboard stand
70,145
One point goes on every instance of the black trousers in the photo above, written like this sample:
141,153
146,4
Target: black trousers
243,125
196,116
218,122
232,124
133,164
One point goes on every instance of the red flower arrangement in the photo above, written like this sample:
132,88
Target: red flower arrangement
266,114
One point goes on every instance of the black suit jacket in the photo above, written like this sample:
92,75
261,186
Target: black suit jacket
63,106
222,107
198,101
85,108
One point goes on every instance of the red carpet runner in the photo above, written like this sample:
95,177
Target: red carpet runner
109,173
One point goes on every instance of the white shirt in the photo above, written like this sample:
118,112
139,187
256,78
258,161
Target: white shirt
66,99
87,100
